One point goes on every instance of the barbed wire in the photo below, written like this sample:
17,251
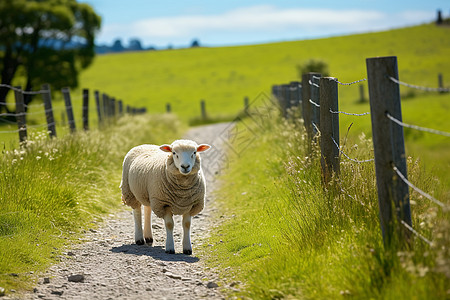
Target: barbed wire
423,88
342,83
426,195
22,91
349,114
350,83
29,126
314,103
352,159
416,233
314,84
439,132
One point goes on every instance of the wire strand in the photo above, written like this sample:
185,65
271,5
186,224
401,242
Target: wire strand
416,233
314,103
352,159
426,195
22,91
418,87
439,132
349,114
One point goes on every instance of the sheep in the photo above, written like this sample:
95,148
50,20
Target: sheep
167,180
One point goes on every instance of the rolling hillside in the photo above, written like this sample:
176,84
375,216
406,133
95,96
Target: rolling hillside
223,76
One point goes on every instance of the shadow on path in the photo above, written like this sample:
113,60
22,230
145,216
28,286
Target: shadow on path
156,252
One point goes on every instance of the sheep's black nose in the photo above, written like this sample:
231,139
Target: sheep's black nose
185,167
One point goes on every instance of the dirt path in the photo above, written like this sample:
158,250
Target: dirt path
110,266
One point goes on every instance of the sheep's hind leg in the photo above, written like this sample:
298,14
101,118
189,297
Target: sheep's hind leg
138,236
148,236
168,220
187,247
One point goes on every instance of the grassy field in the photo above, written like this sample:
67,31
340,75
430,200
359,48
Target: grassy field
52,190
224,76
283,235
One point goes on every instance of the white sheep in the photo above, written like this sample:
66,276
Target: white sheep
168,180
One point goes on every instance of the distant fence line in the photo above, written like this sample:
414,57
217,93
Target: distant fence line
317,99
108,108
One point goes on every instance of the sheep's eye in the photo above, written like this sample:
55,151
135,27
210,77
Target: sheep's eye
173,153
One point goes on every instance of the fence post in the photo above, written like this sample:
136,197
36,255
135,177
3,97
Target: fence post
307,92
246,105
362,98
113,107
99,110
203,109
329,128
47,97
21,118
315,97
120,103
69,110
440,82
105,106
86,109
389,149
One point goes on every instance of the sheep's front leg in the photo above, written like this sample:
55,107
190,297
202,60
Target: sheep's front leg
138,236
148,235
187,247
168,220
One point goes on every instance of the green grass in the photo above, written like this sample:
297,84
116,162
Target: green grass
223,76
283,235
52,190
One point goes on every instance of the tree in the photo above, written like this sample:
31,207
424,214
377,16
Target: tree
195,43
50,40
313,65
135,45
117,46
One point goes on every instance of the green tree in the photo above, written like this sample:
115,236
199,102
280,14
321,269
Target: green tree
50,40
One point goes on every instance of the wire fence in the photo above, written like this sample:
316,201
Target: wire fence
107,109
418,87
387,140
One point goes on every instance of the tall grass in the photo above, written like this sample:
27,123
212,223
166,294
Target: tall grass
285,235
51,190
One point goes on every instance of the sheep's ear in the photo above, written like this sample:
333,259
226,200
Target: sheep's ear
203,147
166,148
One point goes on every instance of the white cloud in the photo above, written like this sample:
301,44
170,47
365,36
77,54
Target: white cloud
263,20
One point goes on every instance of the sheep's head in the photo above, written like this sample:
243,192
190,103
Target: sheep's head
185,154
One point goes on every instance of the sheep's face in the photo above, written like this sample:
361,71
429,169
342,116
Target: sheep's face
185,154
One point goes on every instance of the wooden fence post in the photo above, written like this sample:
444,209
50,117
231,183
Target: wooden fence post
315,97
246,104
69,110
99,107
309,92
362,98
440,82
113,107
329,128
106,113
203,109
120,103
47,97
168,108
389,149
21,117
86,109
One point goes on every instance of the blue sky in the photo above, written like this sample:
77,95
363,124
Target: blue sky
226,23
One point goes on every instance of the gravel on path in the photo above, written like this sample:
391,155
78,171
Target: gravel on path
108,265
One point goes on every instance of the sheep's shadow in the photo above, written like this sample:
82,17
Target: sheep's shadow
156,252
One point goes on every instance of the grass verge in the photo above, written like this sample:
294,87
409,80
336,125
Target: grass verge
283,235
51,190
